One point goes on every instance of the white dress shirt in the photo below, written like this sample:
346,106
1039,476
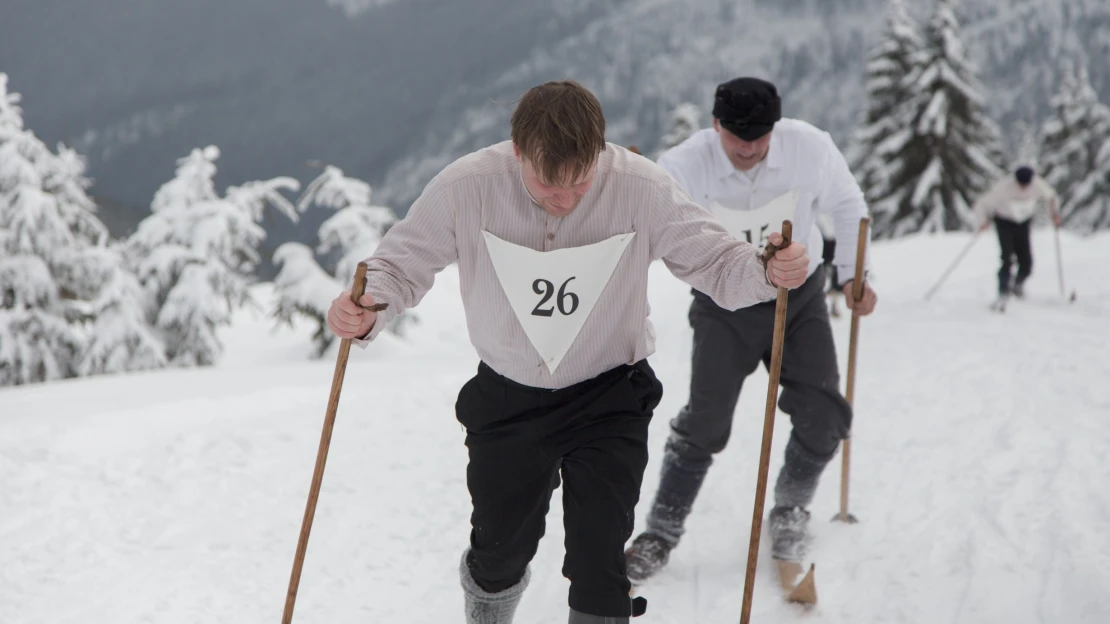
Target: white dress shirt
801,158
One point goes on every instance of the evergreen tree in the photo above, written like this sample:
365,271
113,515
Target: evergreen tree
196,252
303,287
890,63
67,304
685,121
946,151
1076,148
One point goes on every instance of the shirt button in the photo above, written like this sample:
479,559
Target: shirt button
551,236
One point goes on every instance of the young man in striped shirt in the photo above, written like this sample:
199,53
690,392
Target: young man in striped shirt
553,233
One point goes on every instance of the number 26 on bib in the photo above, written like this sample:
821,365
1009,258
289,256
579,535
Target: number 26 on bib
553,292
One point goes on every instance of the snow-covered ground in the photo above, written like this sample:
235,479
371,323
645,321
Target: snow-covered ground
980,471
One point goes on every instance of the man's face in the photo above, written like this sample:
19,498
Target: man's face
743,154
558,200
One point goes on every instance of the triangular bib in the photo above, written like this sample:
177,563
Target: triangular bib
553,292
755,226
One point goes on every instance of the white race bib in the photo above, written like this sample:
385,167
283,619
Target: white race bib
553,292
755,226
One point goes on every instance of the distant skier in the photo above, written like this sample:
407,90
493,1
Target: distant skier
554,232
752,169
1011,203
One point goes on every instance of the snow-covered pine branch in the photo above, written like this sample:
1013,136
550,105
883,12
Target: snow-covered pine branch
303,288
68,306
928,150
196,252
349,236
1076,153
685,121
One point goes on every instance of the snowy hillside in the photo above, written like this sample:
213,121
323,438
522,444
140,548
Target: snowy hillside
979,471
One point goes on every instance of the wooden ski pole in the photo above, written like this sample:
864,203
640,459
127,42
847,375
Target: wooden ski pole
768,432
357,290
850,389
952,267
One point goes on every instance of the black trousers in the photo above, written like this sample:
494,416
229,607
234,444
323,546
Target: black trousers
519,438
1013,238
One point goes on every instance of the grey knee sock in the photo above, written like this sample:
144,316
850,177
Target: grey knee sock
680,479
577,617
800,474
483,607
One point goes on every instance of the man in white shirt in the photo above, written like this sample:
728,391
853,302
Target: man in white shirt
554,233
752,169
1012,202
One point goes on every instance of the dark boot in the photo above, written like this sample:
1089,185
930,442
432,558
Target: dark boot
788,527
679,482
794,490
647,554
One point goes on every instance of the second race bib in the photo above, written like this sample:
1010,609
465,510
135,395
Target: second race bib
755,226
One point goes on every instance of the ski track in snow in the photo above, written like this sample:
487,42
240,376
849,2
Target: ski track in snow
979,471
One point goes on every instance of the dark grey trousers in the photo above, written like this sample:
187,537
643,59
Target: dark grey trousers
728,346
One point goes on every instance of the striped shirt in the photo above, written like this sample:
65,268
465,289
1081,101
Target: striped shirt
484,192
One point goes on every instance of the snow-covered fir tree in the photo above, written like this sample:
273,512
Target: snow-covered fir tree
1076,153
685,121
1026,150
947,151
888,67
119,336
195,254
356,228
303,287
67,304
